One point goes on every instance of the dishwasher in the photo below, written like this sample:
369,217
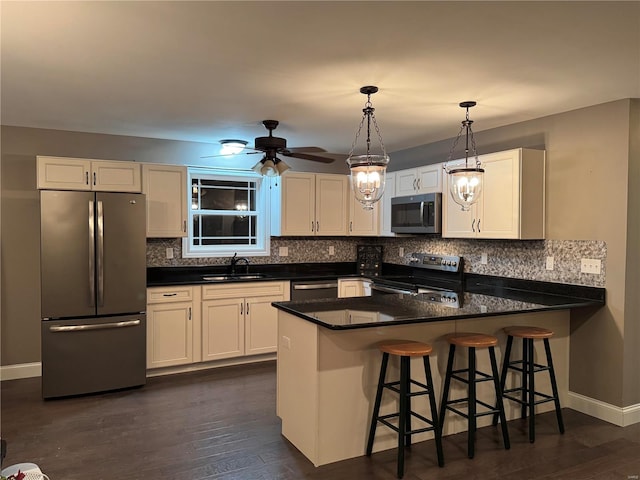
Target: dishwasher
314,289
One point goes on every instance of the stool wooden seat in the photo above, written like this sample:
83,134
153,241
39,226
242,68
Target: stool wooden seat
405,350
527,366
472,341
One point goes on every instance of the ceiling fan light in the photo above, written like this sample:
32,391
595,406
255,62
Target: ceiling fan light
281,167
232,147
269,168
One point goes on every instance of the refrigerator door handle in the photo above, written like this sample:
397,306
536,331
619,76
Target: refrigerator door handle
92,255
100,256
98,326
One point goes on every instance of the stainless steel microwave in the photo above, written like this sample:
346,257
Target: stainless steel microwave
417,213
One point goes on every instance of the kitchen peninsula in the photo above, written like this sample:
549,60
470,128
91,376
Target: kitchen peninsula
328,362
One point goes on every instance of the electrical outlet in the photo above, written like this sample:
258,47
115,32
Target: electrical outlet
332,250
549,265
169,253
590,265
283,251
483,259
401,251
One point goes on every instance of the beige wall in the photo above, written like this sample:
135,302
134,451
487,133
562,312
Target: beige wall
592,157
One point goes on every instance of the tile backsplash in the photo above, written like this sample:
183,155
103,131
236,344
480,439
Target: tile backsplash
525,259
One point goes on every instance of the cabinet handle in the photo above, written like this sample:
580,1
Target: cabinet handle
414,184
418,183
351,226
242,308
478,225
169,294
94,178
247,308
189,313
184,226
86,177
473,224
317,226
313,226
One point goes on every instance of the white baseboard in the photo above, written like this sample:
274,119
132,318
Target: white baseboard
20,370
621,416
193,367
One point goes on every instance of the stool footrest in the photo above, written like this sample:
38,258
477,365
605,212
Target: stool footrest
545,398
485,376
537,367
490,408
384,420
394,387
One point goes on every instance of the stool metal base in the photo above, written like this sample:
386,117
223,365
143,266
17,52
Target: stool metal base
405,414
473,377
528,368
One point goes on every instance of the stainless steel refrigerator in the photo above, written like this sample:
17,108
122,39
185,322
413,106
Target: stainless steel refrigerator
93,291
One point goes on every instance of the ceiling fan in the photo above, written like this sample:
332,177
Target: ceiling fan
272,146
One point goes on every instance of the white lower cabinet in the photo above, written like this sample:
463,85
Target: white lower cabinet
171,317
348,287
238,319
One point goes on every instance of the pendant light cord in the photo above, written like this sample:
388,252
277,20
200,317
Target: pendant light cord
369,115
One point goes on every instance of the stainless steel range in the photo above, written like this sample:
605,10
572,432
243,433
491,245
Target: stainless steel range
434,278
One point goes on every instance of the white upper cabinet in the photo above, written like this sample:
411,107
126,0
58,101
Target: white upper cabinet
165,189
413,181
385,208
363,222
512,204
63,173
310,204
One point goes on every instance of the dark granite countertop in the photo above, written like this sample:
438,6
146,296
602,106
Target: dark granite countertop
187,275
483,296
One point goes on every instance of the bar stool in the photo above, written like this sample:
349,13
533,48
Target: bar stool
405,350
471,341
527,367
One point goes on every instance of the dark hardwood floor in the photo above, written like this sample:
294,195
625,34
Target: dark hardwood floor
221,424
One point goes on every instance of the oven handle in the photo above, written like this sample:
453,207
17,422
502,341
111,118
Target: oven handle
381,288
314,286
99,326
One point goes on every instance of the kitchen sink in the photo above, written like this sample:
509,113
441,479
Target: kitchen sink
236,276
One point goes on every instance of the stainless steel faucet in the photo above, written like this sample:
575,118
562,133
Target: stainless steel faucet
235,260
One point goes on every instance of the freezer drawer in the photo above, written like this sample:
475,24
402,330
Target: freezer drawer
93,355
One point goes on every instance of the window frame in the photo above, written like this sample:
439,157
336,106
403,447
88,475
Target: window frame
263,221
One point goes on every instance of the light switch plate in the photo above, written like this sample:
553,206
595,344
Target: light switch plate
283,251
169,253
483,259
332,250
549,265
590,265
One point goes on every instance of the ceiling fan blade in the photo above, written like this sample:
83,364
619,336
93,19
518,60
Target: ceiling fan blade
231,155
307,149
325,158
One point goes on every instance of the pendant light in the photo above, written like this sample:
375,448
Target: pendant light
368,171
465,184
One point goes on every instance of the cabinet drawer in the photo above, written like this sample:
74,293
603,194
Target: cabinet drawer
169,294
253,289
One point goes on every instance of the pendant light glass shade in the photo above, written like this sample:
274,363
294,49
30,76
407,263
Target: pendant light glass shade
465,183
368,172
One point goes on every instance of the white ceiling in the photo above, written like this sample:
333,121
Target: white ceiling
204,71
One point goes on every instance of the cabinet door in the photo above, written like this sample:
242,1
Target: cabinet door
406,182
116,176
261,325
498,209
165,187
62,173
363,222
385,209
169,334
298,204
222,328
350,288
429,178
331,209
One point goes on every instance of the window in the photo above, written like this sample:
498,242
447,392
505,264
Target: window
229,214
